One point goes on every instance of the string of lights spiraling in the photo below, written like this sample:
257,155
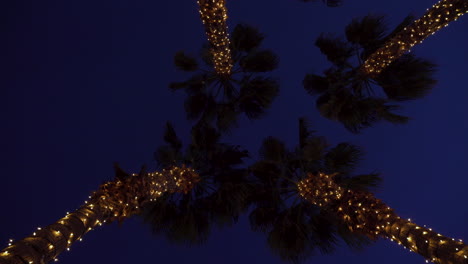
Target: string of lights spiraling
437,17
367,215
114,201
213,14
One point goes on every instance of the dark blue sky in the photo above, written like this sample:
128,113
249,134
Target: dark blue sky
84,84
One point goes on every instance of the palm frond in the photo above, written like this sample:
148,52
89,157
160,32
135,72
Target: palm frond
185,62
246,38
314,149
304,131
119,172
315,84
191,227
273,149
265,171
166,156
262,218
259,61
228,156
367,31
289,237
194,105
357,113
171,138
226,117
335,49
408,78
343,158
362,182
204,137
256,96
354,241
177,85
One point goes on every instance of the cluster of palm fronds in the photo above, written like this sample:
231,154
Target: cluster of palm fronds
220,99
296,228
219,197
348,95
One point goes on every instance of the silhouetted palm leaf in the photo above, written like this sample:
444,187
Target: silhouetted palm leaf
259,61
363,182
343,158
315,84
305,133
346,95
184,62
256,96
226,117
407,78
336,50
246,38
367,32
273,150
171,138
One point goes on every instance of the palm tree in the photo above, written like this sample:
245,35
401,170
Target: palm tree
115,200
219,98
217,200
437,17
214,15
351,97
364,214
329,3
295,227
177,201
329,201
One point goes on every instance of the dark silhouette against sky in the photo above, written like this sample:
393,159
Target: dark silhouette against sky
84,84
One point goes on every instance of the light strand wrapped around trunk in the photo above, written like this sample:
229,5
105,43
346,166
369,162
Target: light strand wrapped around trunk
438,16
114,200
367,215
213,14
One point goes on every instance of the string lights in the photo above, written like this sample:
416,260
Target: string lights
213,14
438,16
114,200
367,215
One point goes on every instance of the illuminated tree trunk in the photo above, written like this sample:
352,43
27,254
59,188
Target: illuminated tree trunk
367,215
438,16
213,14
115,200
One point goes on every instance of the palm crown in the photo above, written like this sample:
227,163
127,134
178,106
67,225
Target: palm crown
295,227
220,98
348,95
218,198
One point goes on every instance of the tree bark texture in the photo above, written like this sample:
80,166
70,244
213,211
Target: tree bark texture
365,214
114,200
437,17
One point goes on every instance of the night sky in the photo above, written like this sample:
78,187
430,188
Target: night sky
84,84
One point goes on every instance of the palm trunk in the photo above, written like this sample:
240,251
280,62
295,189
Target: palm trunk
213,14
438,16
365,214
115,200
